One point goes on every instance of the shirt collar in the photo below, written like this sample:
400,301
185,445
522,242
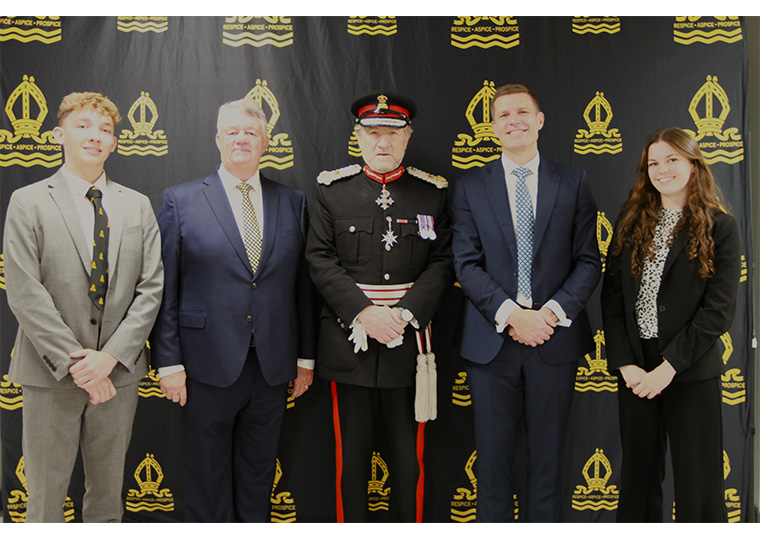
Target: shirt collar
509,165
230,182
79,186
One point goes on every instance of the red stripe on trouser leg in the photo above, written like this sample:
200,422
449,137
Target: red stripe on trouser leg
420,461
338,455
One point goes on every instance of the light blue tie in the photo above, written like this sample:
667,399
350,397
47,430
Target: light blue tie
524,228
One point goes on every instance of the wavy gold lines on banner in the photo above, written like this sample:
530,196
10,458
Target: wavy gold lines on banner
371,30
35,159
34,34
149,507
485,42
143,27
602,148
591,505
596,28
701,36
143,151
469,162
237,40
728,157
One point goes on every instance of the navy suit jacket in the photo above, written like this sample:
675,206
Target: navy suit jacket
566,263
213,300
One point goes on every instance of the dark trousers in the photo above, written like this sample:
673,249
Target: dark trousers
362,410
518,381
688,415
230,444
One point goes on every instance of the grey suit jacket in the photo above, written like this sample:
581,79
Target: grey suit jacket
47,277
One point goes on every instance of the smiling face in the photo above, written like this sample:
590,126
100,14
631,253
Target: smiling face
383,148
670,172
241,140
88,139
516,122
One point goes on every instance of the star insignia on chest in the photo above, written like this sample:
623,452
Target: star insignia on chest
390,239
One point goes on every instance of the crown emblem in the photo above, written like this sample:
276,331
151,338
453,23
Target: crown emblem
728,346
597,124
144,475
483,128
382,103
603,236
262,94
28,92
141,124
710,125
375,485
593,469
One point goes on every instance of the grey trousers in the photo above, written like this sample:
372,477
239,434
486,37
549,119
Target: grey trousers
56,424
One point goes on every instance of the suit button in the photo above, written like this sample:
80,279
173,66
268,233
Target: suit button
249,318
94,321
254,285
662,308
514,273
386,276
352,229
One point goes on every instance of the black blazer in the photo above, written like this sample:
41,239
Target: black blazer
692,312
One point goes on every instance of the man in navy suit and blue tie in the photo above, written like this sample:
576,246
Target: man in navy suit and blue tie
237,319
527,260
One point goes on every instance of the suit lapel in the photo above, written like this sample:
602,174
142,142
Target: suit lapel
548,186
495,186
61,195
220,205
271,201
679,243
115,224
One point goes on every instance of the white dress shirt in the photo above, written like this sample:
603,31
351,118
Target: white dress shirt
82,204
531,182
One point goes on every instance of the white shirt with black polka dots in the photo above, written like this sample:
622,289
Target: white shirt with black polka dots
646,303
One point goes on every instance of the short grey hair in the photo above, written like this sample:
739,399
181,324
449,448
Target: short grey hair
249,107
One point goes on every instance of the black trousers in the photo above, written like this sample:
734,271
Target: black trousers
688,416
359,412
231,435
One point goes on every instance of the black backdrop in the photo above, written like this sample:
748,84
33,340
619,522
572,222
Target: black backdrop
604,84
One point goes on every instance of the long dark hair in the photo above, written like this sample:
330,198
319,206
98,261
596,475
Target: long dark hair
639,214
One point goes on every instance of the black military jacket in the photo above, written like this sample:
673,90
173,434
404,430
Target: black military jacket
345,246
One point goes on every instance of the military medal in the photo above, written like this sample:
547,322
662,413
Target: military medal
389,238
426,227
384,200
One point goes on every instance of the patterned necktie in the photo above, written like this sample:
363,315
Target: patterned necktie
252,235
524,229
99,267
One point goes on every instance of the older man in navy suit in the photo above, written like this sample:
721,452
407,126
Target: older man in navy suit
237,315
527,259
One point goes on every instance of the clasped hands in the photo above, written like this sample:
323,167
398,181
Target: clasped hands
648,384
532,327
382,323
91,372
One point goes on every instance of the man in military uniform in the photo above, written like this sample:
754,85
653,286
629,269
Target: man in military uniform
379,250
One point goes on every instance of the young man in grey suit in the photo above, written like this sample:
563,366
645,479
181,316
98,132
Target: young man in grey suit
84,279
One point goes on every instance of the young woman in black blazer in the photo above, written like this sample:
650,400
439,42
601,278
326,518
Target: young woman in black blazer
669,293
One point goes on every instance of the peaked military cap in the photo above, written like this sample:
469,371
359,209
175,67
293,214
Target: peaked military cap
381,108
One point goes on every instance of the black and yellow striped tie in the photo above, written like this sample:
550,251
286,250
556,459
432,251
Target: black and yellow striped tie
252,234
99,267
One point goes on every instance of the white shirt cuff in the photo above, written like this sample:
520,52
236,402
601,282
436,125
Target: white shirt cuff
554,306
503,313
306,363
169,370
